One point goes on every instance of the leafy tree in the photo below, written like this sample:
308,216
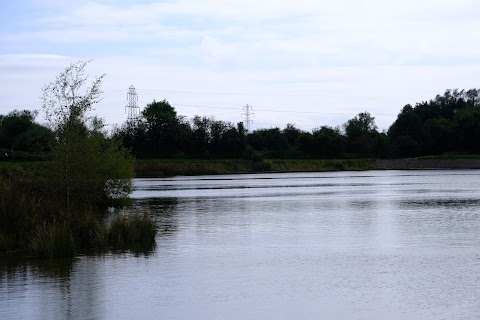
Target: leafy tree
37,140
363,123
86,168
291,133
306,144
447,123
201,135
19,131
361,132
161,127
329,142
269,141
405,133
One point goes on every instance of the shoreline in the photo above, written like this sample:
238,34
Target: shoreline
158,168
426,164
169,168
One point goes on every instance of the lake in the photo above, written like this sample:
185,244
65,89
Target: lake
339,245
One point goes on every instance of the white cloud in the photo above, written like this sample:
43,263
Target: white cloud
324,56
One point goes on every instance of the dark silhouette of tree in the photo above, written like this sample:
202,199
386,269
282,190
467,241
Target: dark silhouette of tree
447,123
161,128
329,142
19,131
361,133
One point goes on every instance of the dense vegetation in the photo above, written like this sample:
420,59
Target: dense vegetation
449,123
56,207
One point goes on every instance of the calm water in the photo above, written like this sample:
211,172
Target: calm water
362,245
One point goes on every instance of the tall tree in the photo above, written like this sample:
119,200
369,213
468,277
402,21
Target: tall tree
361,132
87,168
19,131
162,126
328,142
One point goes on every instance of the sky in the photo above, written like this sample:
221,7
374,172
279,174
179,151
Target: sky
305,62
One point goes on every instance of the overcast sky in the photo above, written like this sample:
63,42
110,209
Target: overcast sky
310,63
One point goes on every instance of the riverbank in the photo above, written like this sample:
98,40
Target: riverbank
192,167
427,163
145,168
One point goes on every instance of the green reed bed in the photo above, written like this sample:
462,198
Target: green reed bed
35,225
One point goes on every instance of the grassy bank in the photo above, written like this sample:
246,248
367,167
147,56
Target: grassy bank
190,167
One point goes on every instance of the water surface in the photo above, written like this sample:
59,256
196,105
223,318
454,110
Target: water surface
344,245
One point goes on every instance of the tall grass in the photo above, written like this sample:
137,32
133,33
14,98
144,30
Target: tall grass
133,230
33,224
53,241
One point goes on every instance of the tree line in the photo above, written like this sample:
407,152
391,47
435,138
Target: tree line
448,123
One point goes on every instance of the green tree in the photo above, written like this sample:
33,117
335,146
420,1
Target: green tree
161,127
361,132
328,142
19,131
201,135
447,123
467,129
405,133
87,168
271,142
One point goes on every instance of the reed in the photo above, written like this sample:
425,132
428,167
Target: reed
32,224
132,230
53,241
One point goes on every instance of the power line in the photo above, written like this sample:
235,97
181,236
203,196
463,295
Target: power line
245,93
280,111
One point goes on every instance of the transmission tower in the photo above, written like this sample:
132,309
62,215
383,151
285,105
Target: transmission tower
132,108
247,116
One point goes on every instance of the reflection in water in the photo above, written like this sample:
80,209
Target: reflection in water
49,289
164,211
436,203
349,245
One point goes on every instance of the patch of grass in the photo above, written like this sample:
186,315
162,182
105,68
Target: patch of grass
256,163
262,166
450,156
132,230
53,241
320,165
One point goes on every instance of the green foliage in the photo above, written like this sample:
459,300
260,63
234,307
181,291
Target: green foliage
447,123
161,133
161,127
86,167
90,170
34,224
328,142
19,132
56,210
361,133
67,100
